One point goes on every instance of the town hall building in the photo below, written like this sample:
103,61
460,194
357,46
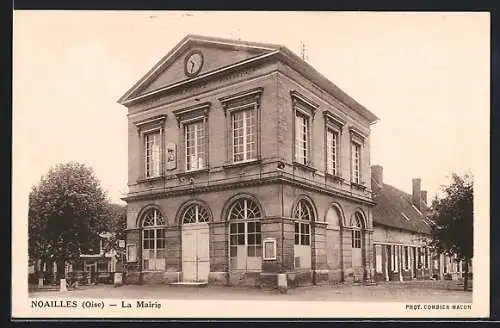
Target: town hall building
244,163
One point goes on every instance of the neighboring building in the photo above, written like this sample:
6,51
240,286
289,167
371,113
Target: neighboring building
245,162
401,235
98,267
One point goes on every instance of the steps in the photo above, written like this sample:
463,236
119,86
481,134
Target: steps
189,283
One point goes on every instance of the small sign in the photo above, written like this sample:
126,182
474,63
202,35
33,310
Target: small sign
121,243
269,249
171,154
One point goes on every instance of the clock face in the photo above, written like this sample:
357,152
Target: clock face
193,63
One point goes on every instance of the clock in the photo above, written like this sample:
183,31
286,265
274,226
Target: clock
193,63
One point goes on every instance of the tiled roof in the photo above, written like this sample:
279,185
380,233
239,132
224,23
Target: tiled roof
394,208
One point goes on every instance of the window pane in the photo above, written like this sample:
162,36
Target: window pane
297,227
234,240
251,251
241,239
251,227
233,251
251,239
232,228
297,239
257,226
258,239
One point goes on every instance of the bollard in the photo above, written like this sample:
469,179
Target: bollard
282,283
118,279
62,285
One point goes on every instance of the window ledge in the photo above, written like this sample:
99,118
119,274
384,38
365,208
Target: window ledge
239,164
192,172
304,166
151,179
335,177
358,186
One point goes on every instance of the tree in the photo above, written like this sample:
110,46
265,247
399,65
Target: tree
117,220
116,225
67,211
453,215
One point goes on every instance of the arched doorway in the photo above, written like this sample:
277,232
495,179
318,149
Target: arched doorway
303,216
358,230
153,241
245,239
195,243
335,221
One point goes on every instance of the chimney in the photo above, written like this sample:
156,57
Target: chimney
423,196
417,195
377,176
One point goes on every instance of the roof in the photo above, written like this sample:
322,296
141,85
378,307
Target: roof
394,208
270,51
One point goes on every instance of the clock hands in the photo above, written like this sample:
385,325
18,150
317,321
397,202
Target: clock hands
192,66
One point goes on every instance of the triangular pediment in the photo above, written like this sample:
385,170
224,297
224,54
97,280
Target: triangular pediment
211,54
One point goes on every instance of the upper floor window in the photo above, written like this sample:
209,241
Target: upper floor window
242,111
356,162
194,136
304,111
302,135
333,126
193,122
152,149
244,135
151,133
357,142
332,141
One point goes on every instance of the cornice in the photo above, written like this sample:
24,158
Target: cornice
357,132
253,93
330,117
159,119
180,113
275,178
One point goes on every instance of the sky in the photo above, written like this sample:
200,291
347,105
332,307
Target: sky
425,75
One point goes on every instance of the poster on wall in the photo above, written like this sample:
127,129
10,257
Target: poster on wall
171,156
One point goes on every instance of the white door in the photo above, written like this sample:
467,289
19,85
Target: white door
203,260
195,252
356,257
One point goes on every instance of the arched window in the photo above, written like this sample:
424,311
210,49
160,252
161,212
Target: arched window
245,240
303,215
356,230
195,214
153,241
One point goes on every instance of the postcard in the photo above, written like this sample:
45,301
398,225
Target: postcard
250,164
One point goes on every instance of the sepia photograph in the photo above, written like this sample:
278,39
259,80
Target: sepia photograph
190,164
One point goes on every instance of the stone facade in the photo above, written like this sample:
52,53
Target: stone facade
308,216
